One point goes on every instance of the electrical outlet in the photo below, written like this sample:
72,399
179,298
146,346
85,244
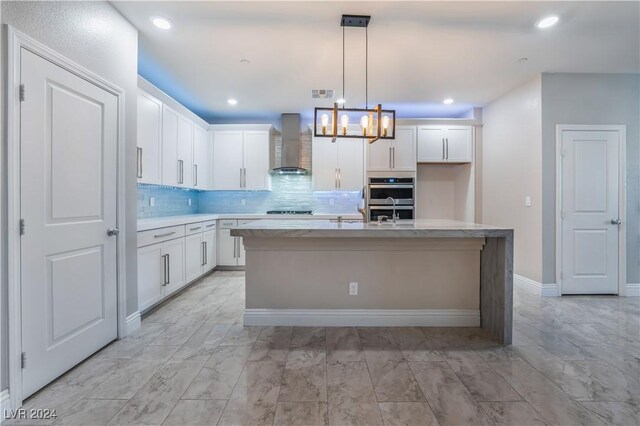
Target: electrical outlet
152,201
353,289
527,201
332,201
243,202
189,201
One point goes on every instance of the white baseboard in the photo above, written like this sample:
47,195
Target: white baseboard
633,290
134,321
5,403
363,317
545,290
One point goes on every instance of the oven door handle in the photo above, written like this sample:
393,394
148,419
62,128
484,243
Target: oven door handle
390,208
392,186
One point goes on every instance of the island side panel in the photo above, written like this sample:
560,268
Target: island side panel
496,287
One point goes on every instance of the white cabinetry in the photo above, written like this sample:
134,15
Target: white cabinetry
445,144
201,161
241,158
338,165
230,249
397,154
185,153
170,168
149,158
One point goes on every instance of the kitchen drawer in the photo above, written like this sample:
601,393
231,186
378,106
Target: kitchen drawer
245,221
228,223
209,226
194,228
159,235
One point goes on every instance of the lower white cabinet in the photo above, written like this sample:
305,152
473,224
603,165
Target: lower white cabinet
200,254
230,249
210,249
160,271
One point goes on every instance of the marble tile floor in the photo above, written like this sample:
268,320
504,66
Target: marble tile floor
574,361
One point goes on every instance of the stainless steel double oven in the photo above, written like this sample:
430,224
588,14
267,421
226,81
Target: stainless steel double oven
384,192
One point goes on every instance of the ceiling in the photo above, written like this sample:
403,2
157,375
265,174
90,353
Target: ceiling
419,52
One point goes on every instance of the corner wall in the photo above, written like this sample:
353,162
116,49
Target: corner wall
590,99
511,158
97,37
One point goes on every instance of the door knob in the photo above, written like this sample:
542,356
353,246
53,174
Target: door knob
113,232
616,222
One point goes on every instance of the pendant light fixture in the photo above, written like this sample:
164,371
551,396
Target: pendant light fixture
375,123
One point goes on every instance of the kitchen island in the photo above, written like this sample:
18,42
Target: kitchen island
422,273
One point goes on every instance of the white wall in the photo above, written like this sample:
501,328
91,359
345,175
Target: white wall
511,159
97,37
591,99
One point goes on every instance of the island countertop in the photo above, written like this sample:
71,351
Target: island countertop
351,229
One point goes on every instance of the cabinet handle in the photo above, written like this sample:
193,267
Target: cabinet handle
180,172
447,139
195,229
339,177
165,258
168,269
195,175
164,270
206,253
164,235
389,157
443,157
202,255
139,152
335,177
393,151
210,225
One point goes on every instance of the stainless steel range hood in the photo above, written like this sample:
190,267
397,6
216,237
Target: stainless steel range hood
290,158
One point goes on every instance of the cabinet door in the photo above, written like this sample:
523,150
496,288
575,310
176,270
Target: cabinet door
169,146
226,248
201,159
149,139
185,152
350,164
431,144
150,275
175,251
459,144
194,259
324,164
404,149
379,158
209,240
256,160
241,255
227,160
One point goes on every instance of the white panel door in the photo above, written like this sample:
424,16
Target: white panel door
209,242
185,152
350,164
174,251
69,130
194,256
459,144
169,146
431,144
256,160
379,158
201,159
404,149
227,160
589,204
241,252
150,275
227,248
149,139
324,161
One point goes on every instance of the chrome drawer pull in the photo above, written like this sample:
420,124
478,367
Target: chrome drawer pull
164,235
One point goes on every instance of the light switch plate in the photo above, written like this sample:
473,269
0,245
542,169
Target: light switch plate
353,289
332,201
189,201
152,201
243,202
527,201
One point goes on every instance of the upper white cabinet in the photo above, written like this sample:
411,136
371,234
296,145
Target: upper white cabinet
337,165
185,153
170,166
240,158
445,144
397,154
149,154
201,161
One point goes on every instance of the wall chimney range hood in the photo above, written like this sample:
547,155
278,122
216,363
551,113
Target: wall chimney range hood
290,159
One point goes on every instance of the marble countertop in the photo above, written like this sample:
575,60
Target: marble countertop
163,222
349,229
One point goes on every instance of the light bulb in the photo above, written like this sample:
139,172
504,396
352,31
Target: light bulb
385,125
364,123
324,119
344,120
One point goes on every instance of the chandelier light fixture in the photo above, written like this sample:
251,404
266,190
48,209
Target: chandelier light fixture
375,123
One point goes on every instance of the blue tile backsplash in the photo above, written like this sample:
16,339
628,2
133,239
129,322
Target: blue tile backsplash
288,192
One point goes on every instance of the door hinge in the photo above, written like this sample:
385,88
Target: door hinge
22,226
23,360
22,93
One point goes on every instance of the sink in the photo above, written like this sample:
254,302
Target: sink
392,225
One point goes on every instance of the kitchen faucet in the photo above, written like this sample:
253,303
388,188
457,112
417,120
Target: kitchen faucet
393,216
363,209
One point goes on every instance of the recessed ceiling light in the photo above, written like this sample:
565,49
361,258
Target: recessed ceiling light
160,22
548,21
232,101
448,101
341,101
